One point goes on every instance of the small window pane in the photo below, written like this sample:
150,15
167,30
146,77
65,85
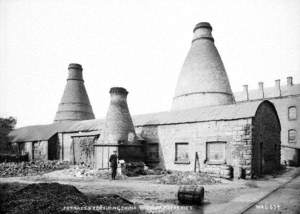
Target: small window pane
215,151
292,113
292,136
181,152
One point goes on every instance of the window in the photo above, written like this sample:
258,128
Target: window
292,136
215,152
181,153
292,113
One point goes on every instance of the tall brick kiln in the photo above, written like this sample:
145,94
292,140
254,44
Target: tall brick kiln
118,132
205,129
203,80
75,103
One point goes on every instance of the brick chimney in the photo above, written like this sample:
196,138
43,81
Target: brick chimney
261,90
245,92
289,81
277,88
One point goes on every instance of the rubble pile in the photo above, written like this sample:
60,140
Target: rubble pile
58,198
156,171
13,158
187,178
83,171
132,169
9,169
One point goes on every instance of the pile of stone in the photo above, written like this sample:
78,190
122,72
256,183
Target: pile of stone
58,198
10,169
84,172
187,178
13,158
132,169
156,171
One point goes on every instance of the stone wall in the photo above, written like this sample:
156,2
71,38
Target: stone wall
236,133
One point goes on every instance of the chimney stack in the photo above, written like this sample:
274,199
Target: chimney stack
245,92
277,88
261,90
118,127
75,103
203,80
118,132
289,81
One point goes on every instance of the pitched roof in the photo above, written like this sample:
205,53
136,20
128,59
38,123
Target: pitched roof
44,132
211,113
201,114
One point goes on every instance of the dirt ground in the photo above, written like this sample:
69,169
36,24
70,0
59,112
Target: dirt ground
56,198
145,191
284,200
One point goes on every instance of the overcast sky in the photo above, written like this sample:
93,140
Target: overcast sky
139,45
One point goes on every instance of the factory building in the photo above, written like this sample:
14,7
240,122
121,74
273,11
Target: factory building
205,130
286,99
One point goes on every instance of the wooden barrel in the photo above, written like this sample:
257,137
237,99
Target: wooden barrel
226,172
188,194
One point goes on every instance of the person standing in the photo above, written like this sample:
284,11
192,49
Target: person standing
113,165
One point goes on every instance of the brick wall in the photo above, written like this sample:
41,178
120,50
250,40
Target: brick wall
282,106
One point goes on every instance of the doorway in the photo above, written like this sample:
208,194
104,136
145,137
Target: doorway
102,154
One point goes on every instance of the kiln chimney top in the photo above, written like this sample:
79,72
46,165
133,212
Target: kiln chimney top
75,66
118,90
202,25
75,72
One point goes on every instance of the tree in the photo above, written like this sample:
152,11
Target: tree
6,125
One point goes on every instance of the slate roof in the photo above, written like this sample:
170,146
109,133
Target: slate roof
44,132
201,114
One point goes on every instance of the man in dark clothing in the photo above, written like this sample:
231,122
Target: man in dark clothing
113,165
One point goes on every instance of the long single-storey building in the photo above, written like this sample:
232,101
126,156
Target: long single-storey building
203,139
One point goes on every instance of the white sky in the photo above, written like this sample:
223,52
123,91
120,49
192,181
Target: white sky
140,45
